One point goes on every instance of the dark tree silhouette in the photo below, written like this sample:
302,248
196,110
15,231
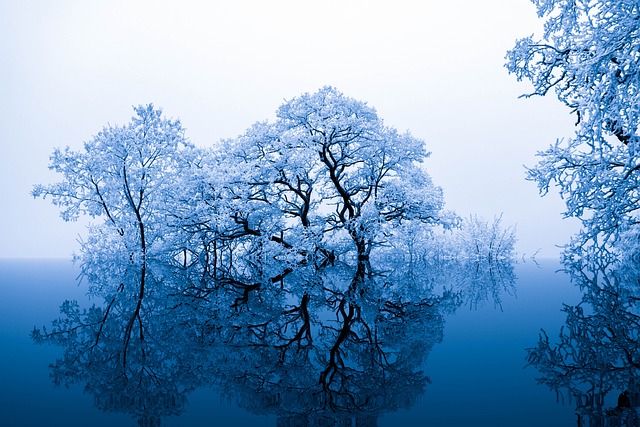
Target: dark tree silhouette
595,361
321,344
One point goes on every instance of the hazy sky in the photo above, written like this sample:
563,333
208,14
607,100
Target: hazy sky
434,68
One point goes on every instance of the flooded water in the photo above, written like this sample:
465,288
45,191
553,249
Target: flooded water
475,364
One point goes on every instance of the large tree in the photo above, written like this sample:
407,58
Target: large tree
328,165
589,54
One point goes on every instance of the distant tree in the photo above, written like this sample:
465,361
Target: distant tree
126,174
589,55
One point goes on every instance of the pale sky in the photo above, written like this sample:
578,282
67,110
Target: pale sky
433,68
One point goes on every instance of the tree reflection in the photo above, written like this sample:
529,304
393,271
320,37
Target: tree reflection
596,360
121,351
340,350
333,344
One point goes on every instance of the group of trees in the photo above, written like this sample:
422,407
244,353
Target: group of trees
327,175
326,178
253,265
328,171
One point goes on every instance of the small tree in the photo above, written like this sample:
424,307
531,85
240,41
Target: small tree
126,174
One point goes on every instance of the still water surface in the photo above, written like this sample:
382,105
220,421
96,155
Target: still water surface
478,375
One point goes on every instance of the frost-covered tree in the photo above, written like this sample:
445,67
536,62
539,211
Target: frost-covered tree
126,175
589,54
326,177
328,166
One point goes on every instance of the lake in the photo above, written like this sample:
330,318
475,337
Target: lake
477,370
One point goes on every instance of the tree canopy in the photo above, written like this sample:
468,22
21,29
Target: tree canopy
329,165
326,178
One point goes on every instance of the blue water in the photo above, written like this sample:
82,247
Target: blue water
477,372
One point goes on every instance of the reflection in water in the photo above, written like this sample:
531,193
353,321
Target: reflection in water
596,359
314,345
125,351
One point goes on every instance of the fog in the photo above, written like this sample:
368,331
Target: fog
433,68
